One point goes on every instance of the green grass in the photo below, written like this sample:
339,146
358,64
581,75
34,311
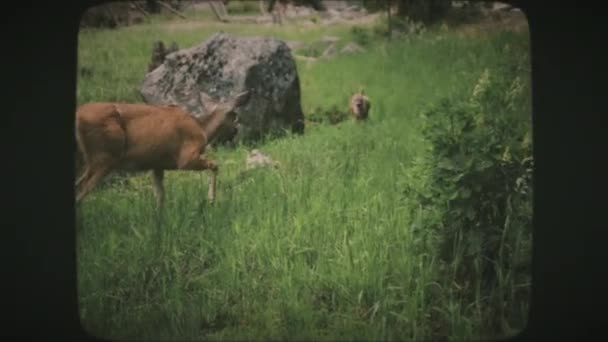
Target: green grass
323,248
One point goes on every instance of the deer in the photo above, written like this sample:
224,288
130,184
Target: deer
360,105
143,137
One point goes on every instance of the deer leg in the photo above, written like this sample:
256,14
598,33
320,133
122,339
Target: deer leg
212,187
191,159
95,176
159,189
84,175
200,164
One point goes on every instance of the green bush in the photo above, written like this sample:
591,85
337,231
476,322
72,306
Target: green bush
477,188
360,35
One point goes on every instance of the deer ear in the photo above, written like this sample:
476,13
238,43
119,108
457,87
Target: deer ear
207,102
241,98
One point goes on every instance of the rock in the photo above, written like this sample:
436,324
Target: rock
331,51
333,21
330,39
255,158
332,13
355,8
225,65
308,60
352,48
338,12
295,45
297,11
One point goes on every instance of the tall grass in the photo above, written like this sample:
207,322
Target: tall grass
326,247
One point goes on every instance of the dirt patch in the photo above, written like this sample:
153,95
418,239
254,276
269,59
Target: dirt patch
303,21
514,21
191,25
367,19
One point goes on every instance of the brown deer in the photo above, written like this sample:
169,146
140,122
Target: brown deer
360,106
141,137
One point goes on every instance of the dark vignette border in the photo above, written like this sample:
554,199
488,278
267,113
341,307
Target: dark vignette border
39,243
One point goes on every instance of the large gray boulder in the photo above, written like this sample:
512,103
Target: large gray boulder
225,65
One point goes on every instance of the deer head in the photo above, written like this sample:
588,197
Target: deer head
360,105
222,119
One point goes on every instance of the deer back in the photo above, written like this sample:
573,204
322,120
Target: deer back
159,133
149,136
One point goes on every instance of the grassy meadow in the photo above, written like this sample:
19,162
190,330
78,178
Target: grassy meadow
329,246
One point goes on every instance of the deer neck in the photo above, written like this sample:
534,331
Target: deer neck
211,123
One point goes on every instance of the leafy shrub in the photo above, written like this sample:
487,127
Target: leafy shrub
380,30
360,35
476,187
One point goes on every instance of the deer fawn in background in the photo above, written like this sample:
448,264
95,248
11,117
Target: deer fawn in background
360,106
142,137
